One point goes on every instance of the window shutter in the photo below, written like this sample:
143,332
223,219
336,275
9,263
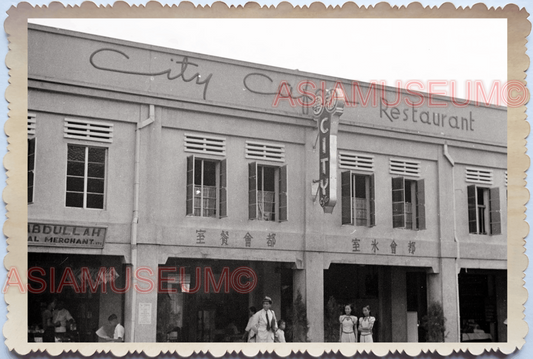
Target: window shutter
398,202
420,204
283,193
252,190
31,168
346,197
190,185
223,211
472,209
495,218
372,200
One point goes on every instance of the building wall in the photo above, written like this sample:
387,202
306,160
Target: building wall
236,103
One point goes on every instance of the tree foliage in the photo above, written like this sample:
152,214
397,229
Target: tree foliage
434,323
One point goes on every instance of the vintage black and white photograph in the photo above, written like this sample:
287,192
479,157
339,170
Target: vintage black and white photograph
268,181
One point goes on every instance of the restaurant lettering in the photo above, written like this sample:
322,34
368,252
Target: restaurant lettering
425,117
63,235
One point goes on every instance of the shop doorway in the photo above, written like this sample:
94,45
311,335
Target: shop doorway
483,305
190,308
58,279
353,284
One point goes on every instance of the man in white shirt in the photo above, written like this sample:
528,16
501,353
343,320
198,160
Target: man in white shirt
61,317
264,323
118,330
118,335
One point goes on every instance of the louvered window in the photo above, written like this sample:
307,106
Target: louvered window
404,167
206,187
484,210
358,205
478,175
408,204
265,151
31,125
88,130
210,145
267,192
354,161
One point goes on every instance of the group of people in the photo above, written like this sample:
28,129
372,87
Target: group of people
57,322
262,325
59,325
350,326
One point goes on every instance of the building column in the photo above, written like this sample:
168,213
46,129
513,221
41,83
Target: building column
144,306
398,301
443,288
310,283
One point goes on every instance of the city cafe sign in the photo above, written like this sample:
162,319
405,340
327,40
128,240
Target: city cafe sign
327,111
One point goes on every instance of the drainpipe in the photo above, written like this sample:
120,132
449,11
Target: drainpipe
135,219
456,239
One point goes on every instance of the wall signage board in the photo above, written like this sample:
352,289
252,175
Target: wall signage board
65,236
327,111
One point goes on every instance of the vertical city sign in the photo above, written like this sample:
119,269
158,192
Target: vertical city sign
327,111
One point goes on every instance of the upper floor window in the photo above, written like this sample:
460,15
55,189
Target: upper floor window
86,176
31,155
484,210
357,192
408,203
206,187
267,195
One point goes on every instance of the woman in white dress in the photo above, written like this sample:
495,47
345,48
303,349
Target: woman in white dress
348,328
366,323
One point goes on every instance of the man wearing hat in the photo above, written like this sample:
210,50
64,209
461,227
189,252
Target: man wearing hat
264,323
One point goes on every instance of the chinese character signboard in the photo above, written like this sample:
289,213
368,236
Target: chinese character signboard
327,111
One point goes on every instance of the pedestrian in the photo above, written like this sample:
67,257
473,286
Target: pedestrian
48,326
249,335
280,333
348,326
264,323
61,318
366,323
113,326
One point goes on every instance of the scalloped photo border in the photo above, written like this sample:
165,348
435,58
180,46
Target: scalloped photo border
15,228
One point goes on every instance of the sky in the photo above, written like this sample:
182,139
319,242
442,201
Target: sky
387,50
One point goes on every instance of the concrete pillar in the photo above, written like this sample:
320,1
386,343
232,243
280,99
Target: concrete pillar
398,301
128,305
443,288
145,302
310,283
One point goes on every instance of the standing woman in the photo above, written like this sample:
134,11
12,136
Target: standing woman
348,326
366,323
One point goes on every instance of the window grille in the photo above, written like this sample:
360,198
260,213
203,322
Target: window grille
404,167
88,130
265,151
210,145
478,175
354,161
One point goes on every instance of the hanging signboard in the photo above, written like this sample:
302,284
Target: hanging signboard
327,111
